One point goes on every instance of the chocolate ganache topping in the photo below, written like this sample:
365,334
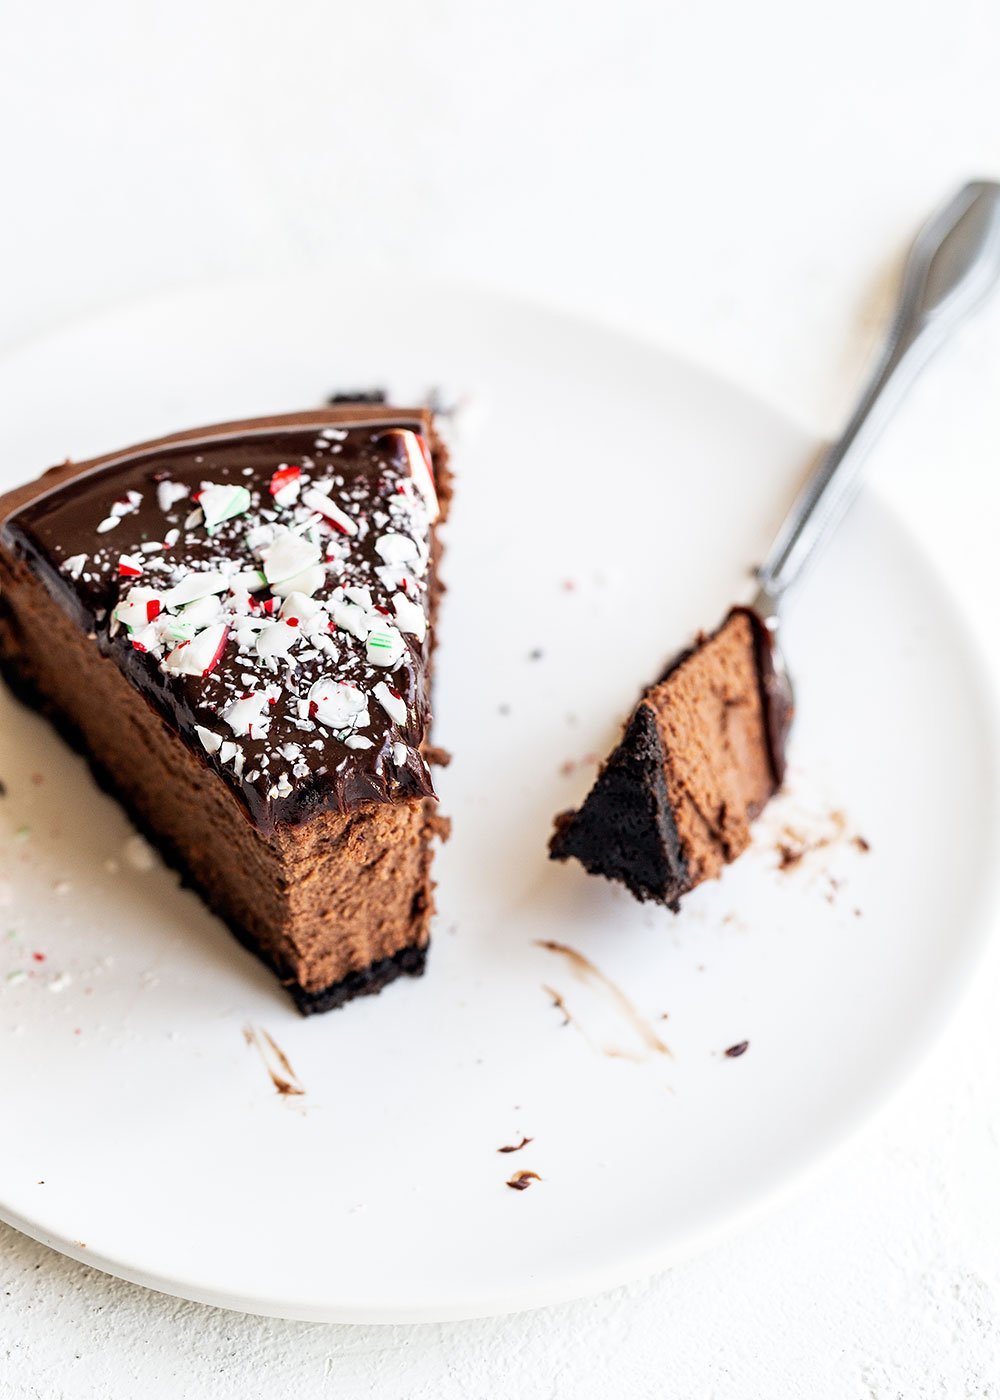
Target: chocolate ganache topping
267,591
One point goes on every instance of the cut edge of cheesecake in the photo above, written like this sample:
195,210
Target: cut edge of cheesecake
370,926
701,755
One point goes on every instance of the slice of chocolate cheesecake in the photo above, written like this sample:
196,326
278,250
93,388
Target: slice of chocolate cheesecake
235,626
702,753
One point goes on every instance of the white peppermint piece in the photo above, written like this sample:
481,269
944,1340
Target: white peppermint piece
245,629
287,495
338,704
171,538
203,611
325,643
288,556
221,502
319,501
358,741
139,607
361,596
168,493
179,629
228,751
350,618
391,701
384,645
194,518
277,639
309,581
246,716
409,616
147,639
131,501
420,469
394,548
392,576
258,537
400,753
299,605
74,565
211,743
248,581
151,547
198,656
197,584
108,524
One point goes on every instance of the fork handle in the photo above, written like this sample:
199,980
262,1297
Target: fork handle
953,263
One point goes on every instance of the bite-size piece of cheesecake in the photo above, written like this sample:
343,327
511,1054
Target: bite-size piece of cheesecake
702,754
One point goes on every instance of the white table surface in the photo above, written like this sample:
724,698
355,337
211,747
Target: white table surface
738,181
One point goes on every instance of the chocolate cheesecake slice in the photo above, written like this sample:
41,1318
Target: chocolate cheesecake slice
235,626
702,753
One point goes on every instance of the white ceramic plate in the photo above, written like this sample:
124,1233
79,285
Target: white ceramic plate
610,501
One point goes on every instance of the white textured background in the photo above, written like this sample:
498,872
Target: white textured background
737,180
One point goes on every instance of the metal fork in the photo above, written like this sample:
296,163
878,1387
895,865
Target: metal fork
952,266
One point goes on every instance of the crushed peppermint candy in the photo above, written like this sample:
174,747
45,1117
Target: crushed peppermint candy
246,716
75,565
391,701
211,742
338,704
201,654
168,493
318,500
219,503
282,604
285,485
410,616
384,646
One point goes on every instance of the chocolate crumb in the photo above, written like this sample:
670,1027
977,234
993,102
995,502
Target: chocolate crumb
735,1051
520,1181
357,396
861,844
3,788
516,1147
436,756
789,856
535,654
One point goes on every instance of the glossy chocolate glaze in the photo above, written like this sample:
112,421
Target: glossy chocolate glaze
366,458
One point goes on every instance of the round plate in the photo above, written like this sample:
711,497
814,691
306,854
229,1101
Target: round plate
610,502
